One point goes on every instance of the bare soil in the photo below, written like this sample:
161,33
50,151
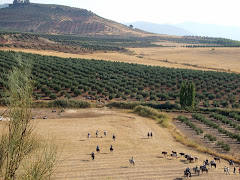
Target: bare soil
69,130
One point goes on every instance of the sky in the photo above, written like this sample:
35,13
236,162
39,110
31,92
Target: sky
220,12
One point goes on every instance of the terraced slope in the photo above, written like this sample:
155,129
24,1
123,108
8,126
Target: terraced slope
58,19
70,132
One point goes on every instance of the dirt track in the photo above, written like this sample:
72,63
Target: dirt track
70,132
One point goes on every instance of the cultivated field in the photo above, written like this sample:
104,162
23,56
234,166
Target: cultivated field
212,58
219,59
69,130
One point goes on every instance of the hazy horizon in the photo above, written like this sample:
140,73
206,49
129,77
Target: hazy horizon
173,12
160,12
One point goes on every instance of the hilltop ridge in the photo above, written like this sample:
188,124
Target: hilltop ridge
58,19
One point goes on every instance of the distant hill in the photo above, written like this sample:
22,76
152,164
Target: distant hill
57,19
211,30
3,5
160,28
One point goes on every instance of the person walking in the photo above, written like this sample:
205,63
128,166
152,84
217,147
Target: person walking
96,133
114,137
228,171
225,169
234,170
93,155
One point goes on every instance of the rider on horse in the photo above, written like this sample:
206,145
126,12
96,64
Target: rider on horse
188,171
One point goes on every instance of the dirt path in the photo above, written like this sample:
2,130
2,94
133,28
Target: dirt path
70,132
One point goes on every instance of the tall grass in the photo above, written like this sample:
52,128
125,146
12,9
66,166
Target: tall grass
163,119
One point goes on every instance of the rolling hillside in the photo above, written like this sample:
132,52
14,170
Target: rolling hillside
56,19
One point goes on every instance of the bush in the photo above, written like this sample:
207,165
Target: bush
53,96
69,104
210,137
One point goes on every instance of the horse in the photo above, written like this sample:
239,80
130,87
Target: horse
206,163
182,154
231,162
213,164
174,155
93,155
217,159
204,169
174,152
197,171
187,173
98,149
164,153
190,159
132,161
111,149
196,159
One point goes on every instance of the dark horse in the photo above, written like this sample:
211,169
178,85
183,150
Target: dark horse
111,149
187,173
98,149
213,164
204,169
217,159
164,153
196,170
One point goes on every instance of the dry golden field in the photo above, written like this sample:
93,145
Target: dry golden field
69,131
219,59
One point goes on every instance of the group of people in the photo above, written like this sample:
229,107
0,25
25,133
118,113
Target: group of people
105,134
98,148
226,170
150,134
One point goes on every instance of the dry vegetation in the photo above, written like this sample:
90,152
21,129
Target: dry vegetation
219,59
70,132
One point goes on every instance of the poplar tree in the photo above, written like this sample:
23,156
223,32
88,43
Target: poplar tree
187,94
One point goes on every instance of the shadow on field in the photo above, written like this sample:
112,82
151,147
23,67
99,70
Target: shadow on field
124,167
178,179
145,138
81,140
184,161
159,157
84,160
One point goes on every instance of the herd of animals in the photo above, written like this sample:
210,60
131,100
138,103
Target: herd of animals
204,167
173,154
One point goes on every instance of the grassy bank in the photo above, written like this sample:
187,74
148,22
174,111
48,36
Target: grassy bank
165,121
